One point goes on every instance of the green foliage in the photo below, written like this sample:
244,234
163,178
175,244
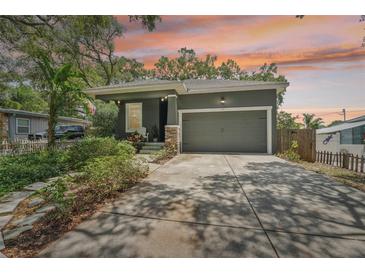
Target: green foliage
105,118
310,121
90,148
21,170
292,153
287,120
168,152
22,97
57,193
112,173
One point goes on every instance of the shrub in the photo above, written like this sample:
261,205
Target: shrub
168,152
136,140
20,170
57,194
292,153
105,118
111,173
90,148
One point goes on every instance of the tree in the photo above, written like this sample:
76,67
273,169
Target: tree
286,120
335,123
105,118
310,121
22,97
187,65
60,87
59,55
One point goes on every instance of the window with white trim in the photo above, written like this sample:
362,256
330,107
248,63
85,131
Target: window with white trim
133,116
22,126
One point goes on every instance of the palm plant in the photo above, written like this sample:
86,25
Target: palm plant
310,121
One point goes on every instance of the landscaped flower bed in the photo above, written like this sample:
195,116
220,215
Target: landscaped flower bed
105,168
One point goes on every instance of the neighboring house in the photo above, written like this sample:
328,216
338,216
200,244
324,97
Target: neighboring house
199,115
17,124
347,137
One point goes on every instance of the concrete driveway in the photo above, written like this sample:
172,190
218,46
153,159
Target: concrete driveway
205,205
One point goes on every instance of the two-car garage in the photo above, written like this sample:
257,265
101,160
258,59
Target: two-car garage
226,130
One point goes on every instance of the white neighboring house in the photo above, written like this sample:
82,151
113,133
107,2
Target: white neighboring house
346,137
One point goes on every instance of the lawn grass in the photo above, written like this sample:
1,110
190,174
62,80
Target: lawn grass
348,177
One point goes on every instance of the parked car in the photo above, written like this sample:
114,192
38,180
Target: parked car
61,132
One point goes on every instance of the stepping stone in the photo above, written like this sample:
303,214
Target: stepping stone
36,186
10,202
46,209
2,245
28,220
13,233
4,220
35,202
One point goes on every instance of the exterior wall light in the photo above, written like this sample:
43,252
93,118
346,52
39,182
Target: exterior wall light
223,100
162,99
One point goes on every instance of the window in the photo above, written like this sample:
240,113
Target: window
133,116
22,126
354,136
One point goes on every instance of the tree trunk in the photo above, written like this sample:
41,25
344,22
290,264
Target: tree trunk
52,120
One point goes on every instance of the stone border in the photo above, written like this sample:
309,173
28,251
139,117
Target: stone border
8,205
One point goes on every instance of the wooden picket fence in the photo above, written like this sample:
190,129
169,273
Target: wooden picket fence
343,160
23,146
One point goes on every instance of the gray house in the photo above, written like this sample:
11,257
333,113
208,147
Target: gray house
17,124
198,115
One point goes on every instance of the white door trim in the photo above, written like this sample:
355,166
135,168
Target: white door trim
268,119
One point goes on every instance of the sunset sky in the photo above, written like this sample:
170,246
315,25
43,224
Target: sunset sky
321,56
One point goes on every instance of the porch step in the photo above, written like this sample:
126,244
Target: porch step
156,144
148,151
150,148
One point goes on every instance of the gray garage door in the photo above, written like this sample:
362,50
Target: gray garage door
243,131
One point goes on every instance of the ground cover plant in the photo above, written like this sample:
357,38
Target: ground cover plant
106,168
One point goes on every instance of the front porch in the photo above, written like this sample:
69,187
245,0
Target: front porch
154,113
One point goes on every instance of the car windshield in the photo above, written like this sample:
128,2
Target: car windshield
61,128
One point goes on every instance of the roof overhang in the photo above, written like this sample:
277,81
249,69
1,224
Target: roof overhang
340,127
178,87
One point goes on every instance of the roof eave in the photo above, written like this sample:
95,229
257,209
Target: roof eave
179,87
276,86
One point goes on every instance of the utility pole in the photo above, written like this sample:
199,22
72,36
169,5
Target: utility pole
344,114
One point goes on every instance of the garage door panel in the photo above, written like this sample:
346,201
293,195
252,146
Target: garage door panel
243,131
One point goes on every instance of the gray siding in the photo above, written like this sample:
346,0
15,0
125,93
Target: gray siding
150,115
37,124
233,99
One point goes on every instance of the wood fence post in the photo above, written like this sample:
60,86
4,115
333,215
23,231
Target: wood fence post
362,163
357,163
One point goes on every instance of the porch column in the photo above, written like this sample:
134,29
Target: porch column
172,110
172,129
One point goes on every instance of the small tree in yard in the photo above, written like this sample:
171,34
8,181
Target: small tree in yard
310,121
287,120
60,87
